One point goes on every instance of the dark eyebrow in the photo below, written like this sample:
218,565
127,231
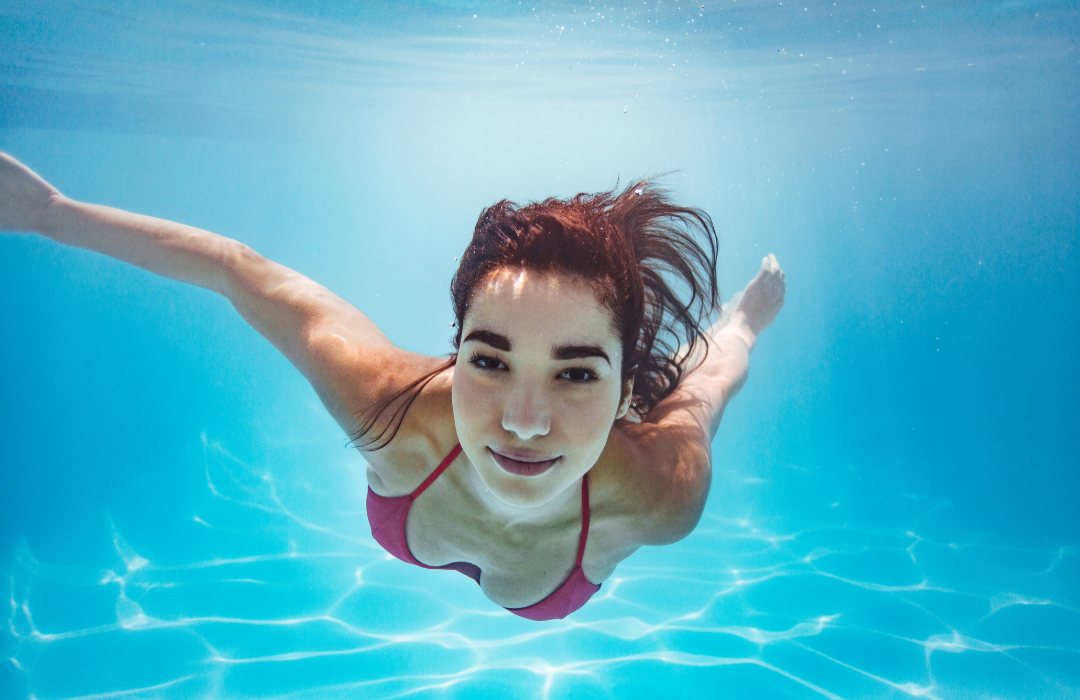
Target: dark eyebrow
561,352
499,342
577,352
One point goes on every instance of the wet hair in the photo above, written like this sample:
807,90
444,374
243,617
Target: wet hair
650,262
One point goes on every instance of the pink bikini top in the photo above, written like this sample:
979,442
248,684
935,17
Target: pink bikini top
387,519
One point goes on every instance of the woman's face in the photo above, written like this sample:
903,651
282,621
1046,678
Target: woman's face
537,384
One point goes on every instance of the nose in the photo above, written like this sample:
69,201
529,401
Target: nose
526,414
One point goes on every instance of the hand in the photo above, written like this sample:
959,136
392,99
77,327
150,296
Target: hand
24,196
762,299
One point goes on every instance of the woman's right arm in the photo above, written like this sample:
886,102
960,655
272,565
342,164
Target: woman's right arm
347,359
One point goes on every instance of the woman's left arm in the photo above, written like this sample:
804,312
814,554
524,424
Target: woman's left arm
720,369
673,441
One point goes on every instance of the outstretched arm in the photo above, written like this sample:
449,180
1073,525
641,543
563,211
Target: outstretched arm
342,353
675,436
718,375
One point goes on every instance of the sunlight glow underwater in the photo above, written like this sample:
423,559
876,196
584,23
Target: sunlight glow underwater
892,512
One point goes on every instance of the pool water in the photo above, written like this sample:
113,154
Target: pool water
893,506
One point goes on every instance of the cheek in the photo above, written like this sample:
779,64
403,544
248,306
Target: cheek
589,422
473,405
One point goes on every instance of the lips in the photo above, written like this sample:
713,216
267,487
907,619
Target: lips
522,465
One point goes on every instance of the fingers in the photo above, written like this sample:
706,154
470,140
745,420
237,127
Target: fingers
772,277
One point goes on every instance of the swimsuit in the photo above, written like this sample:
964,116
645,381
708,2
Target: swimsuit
387,519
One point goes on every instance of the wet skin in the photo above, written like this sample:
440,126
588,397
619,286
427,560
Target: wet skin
534,398
537,385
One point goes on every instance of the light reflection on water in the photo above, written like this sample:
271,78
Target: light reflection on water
301,602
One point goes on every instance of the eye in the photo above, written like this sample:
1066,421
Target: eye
579,375
486,363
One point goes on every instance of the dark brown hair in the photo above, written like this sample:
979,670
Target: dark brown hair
651,263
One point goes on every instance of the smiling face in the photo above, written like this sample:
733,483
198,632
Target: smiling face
537,385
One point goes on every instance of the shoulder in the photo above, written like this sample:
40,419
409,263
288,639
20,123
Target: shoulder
425,435
663,471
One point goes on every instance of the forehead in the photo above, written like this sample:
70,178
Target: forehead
557,306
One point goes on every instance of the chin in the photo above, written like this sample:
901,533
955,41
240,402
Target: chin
520,492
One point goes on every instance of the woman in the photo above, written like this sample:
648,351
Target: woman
572,425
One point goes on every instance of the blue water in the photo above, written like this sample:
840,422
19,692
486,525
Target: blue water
894,502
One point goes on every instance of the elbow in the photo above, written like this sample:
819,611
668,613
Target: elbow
51,220
238,257
241,270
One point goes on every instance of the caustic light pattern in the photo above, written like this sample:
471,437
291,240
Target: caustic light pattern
296,600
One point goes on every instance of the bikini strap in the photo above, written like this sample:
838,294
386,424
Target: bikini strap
438,470
584,520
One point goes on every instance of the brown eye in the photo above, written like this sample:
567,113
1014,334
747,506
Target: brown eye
579,375
484,362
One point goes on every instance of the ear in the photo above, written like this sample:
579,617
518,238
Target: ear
624,403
